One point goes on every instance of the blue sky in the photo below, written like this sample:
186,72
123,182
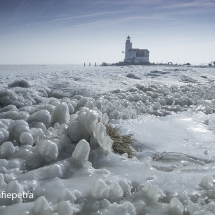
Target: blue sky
78,31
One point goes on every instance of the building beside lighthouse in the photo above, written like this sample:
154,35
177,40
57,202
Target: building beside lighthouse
135,56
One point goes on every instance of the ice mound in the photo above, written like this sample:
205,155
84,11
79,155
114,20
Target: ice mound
17,128
55,171
41,116
176,207
126,208
90,123
42,207
207,183
20,83
13,187
26,138
7,149
131,75
75,131
126,187
4,134
115,191
64,208
61,113
66,195
153,192
48,150
103,139
100,190
81,152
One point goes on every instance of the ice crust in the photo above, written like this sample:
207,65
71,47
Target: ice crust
53,143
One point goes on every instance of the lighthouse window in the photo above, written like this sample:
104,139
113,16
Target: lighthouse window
130,53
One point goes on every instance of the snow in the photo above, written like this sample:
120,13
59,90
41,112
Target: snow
53,140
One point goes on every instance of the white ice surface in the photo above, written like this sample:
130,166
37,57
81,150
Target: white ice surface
53,141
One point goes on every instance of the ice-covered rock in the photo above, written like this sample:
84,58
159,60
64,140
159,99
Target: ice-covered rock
48,150
100,190
7,149
61,113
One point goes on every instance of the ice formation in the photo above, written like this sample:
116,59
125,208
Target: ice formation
53,142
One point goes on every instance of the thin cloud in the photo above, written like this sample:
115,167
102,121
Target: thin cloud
71,18
192,4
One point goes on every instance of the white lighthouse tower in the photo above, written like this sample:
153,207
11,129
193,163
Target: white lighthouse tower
128,46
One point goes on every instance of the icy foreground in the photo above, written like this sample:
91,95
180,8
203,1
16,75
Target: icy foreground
54,146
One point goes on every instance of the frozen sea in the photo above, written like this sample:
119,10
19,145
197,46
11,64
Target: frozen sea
54,147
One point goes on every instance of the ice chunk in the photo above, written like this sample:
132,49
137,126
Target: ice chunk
61,113
66,195
63,129
81,152
103,139
170,100
14,163
2,183
64,141
156,106
55,171
13,188
75,131
126,208
48,150
7,149
41,207
125,185
211,207
81,102
207,183
41,116
26,138
100,190
64,208
17,127
71,108
37,134
90,121
176,207
4,134
115,192
153,192
20,83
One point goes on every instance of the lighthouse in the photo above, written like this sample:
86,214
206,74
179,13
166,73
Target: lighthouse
135,56
128,46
